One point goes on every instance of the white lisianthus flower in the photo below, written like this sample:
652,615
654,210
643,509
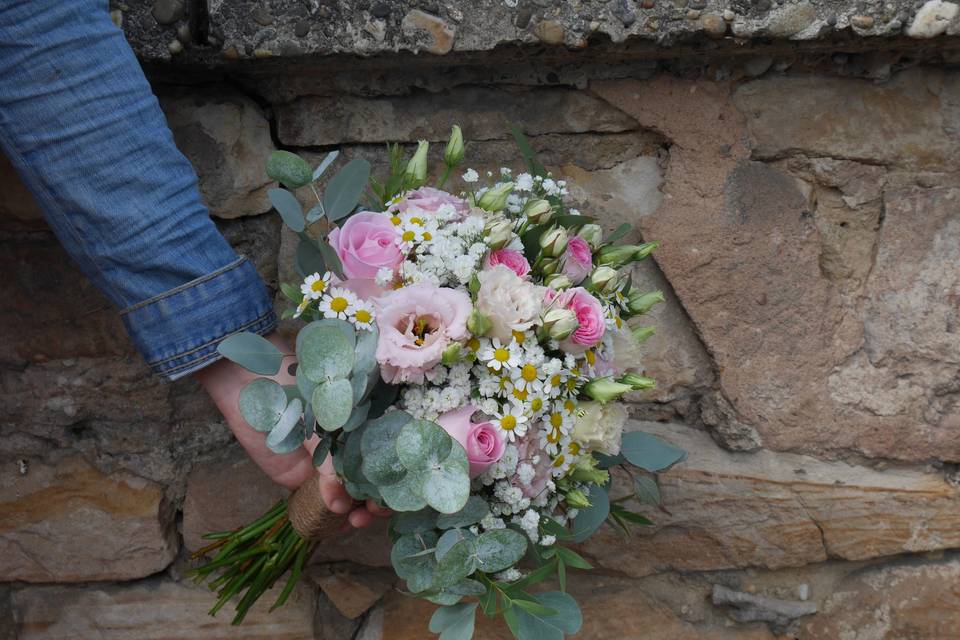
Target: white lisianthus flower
511,303
599,427
626,350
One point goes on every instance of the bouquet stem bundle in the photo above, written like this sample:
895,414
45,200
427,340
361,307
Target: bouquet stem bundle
250,560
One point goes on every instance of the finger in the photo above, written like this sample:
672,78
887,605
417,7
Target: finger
360,518
334,495
377,510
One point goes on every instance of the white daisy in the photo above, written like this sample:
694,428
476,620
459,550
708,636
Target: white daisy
363,314
339,303
498,356
512,420
314,286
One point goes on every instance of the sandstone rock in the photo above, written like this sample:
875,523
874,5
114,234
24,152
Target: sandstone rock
317,120
225,494
910,600
18,209
68,522
932,19
369,547
154,609
729,510
791,19
226,137
431,32
549,32
352,590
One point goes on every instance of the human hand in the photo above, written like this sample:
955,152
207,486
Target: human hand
223,380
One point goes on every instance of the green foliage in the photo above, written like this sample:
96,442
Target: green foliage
289,169
533,165
411,564
289,432
650,453
529,623
324,164
474,511
322,450
326,350
344,189
590,519
358,417
331,259
414,521
646,490
618,233
308,259
454,622
332,403
450,538
437,467
287,206
252,352
261,403
381,462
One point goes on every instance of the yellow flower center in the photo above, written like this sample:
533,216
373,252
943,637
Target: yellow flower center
318,286
520,394
501,355
569,406
558,461
473,344
574,448
519,336
528,373
339,304
416,221
555,380
395,220
363,315
554,435
556,419
619,322
427,236
537,404
508,423
408,236
591,357
571,384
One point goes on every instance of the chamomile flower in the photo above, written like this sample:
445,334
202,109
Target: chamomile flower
512,420
527,376
498,356
363,314
314,286
339,303
557,426
302,306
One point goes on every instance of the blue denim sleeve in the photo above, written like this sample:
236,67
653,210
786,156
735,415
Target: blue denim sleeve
81,125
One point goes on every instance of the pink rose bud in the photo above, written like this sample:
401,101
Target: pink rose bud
514,260
482,441
366,243
577,260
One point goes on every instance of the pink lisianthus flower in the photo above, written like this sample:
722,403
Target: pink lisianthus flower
514,260
416,324
589,314
577,260
366,243
482,441
429,200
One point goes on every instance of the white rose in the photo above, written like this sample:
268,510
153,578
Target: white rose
511,303
599,427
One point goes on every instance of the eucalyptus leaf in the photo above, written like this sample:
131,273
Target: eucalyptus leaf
646,490
331,259
566,619
365,360
414,522
332,403
351,458
291,391
474,511
499,549
403,496
422,445
309,259
450,538
381,464
325,163
322,450
417,570
289,433
455,622
325,351
315,213
446,485
590,518
305,384
650,453
253,352
289,169
288,207
261,403
458,562
382,397
357,418
344,189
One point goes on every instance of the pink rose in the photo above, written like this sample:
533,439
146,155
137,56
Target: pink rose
429,200
482,441
416,324
589,314
366,243
514,260
577,260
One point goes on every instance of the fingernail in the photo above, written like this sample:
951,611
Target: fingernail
340,506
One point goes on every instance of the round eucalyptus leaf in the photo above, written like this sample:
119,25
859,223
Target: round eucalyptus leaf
332,404
414,522
591,518
474,511
357,418
290,432
322,450
450,538
446,485
423,445
416,569
566,618
366,351
443,597
289,169
499,549
325,351
458,562
381,465
288,207
456,622
351,459
305,384
649,452
262,403
253,352
467,587
402,496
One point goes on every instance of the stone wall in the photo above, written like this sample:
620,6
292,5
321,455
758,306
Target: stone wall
798,163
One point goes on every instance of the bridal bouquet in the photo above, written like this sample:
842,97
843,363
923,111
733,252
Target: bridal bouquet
460,361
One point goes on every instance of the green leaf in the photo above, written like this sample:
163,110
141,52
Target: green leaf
403,496
322,450
331,259
499,549
605,462
474,511
572,220
252,352
554,528
455,622
646,490
309,259
366,351
572,559
291,292
261,403
618,233
417,570
315,213
458,562
650,453
358,417
590,519
344,189
332,403
414,522
537,576
289,432
422,444
381,464
467,587
437,466
450,538
534,607
631,517
288,169
533,165
350,457
567,618
325,351
288,207
304,384
325,163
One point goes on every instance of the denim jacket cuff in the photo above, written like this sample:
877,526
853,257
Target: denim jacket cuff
178,331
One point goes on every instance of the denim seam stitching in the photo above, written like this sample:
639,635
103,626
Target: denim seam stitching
260,318
183,287
213,355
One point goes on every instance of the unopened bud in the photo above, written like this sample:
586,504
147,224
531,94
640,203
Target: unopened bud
478,324
577,499
416,171
499,233
585,470
538,211
617,256
558,281
549,266
558,324
604,279
593,234
637,382
554,242
453,154
639,303
606,389
495,198
640,334
451,354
